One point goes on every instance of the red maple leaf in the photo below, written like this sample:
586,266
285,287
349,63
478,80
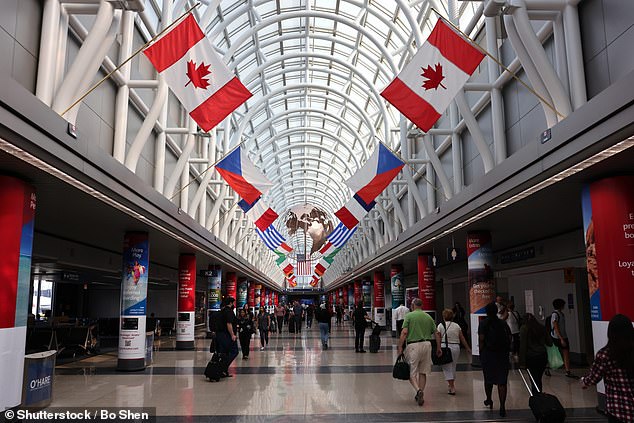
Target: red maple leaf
434,77
197,75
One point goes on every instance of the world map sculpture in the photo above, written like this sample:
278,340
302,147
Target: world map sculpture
310,220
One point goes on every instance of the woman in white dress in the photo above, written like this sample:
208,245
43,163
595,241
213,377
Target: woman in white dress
451,334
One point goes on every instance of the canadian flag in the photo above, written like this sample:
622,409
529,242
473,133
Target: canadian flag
196,74
428,83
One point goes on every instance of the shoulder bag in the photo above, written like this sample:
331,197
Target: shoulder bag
446,357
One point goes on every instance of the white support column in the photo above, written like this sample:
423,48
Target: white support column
575,56
475,131
431,190
47,60
497,104
122,100
87,62
435,161
182,162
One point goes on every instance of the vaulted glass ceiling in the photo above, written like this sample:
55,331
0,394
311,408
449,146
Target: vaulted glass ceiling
316,69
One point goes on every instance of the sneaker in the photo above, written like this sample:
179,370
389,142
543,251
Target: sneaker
419,398
326,346
362,351
569,374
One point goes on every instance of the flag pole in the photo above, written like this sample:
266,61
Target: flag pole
499,63
206,170
105,78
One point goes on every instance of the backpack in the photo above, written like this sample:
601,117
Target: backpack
498,336
549,324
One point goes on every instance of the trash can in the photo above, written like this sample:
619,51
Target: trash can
37,386
149,347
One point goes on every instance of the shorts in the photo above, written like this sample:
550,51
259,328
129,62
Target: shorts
418,356
557,343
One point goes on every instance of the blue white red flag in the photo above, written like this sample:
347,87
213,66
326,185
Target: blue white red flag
259,212
274,240
241,174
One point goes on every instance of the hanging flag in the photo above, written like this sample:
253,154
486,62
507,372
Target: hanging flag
304,268
428,83
340,236
241,174
367,183
205,86
274,240
259,212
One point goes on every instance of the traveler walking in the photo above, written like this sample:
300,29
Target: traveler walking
226,336
264,323
245,331
418,330
495,343
298,312
339,313
460,317
451,334
514,321
532,349
360,318
310,312
399,316
614,363
559,334
280,310
323,318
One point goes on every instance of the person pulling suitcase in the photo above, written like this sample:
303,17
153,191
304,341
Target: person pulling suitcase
545,407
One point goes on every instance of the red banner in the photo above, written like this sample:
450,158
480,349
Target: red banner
357,292
610,247
186,282
379,290
17,209
251,296
426,282
232,285
345,295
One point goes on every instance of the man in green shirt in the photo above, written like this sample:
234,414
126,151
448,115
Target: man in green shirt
418,330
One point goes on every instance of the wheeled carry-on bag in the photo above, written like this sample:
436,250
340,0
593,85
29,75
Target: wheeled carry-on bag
214,368
545,407
375,338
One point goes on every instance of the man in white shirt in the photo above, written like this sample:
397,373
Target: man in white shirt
399,316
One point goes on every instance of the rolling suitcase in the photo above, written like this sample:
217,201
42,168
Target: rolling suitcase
375,339
214,368
545,407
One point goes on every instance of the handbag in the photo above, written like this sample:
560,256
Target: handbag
554,357
446,357
401,368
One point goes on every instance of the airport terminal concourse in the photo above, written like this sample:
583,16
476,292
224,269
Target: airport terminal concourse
316,210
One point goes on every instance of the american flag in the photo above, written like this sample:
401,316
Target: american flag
304,266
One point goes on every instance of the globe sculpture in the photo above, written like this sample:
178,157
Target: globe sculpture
311,221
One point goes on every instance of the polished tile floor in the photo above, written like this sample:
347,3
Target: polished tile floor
294,380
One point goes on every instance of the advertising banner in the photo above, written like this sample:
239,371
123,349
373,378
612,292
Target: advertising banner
17,212
243,291
186,301
350,295
480,271
366,293
481,281
346,300
267,297
232,285
397,285
608,221
136,261
251,295
357,292
258,295
214,284
379,290
427,282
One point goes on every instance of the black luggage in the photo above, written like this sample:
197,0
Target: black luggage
214,368
545,407
375,339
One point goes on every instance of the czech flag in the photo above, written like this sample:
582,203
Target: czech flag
242,175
